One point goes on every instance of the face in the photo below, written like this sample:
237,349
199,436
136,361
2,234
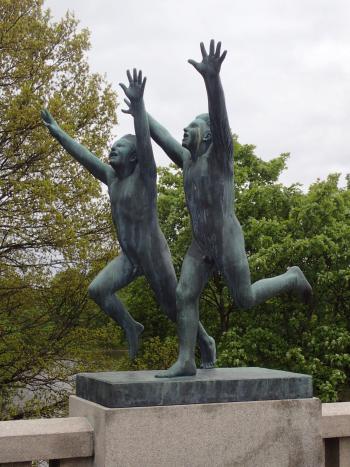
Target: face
193,134
120,155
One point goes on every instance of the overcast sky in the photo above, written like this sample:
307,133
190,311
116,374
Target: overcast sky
286,75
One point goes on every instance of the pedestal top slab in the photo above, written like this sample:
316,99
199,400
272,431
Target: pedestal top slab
141,388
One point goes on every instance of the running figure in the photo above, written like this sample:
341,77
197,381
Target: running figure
131,178
206,156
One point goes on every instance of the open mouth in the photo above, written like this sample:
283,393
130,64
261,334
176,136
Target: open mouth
113,160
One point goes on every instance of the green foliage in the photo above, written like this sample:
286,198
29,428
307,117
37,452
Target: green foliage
53,212
47,201
282,226
155,354
322,351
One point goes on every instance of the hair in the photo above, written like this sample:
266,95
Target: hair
205,118
131,139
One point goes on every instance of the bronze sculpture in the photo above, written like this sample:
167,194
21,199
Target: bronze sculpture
206,157
131,178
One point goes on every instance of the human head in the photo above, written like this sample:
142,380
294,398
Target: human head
123,156
197,134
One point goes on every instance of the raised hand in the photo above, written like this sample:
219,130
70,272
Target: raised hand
50,122
135,90
211,63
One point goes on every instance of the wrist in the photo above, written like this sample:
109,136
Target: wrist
211,77
137,103
137,106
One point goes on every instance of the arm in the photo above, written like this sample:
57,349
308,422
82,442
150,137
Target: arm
92,163
137,109
163,138
209,68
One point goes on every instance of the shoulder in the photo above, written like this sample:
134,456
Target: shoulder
186,155
110,174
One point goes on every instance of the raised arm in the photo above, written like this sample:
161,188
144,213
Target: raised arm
161,136
137,109
168,143
92,163
209,68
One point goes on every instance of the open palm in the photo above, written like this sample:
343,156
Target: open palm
211,63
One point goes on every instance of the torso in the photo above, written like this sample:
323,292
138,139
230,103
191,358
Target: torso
134,213
209,196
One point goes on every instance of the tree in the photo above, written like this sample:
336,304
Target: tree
51,210
282,226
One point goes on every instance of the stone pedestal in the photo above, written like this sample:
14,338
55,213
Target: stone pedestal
142,389
236,434
255,433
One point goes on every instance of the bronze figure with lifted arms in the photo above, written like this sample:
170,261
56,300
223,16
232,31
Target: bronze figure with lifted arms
206,157
131,178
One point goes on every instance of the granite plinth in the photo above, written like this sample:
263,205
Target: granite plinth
237,434
142,389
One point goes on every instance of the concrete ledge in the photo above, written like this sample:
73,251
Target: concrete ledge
56,438
251,434
335,420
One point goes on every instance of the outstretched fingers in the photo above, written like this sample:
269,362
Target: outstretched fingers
222,58
47,117
43,114
124,88
134,91
194,64
212,47
204,52
134,78
128,74
128,110
218,48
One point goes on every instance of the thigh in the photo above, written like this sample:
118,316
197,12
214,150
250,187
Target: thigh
116,275
159,271
233,263
161,275
195,272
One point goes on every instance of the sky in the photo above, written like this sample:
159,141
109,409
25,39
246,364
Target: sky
286,76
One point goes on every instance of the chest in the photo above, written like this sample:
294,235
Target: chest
197,174
126,194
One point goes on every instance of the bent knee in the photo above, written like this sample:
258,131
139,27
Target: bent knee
244,300
95,292
184,296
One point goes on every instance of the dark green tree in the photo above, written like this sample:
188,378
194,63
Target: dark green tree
50,209
283,226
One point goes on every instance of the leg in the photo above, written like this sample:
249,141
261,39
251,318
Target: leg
235,268
116,275
195,273
163,282
207,348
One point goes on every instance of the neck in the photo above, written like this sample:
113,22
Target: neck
124,172
199,150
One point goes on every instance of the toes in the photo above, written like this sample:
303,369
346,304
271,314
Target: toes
208,366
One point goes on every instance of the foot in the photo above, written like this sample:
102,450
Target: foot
208,352
304,289
180,368
132,334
